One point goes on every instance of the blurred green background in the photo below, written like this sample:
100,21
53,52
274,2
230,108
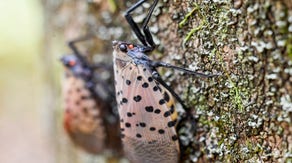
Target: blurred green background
22,137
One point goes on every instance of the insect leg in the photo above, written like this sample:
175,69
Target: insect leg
146,30
72,43
75,50
95,78
157,77
133,24
167,65
188,112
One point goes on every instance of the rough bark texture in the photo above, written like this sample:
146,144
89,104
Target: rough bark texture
245,113
242,115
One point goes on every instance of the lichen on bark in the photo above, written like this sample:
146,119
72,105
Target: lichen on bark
245,113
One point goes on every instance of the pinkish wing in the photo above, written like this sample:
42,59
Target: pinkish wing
82,119
148,128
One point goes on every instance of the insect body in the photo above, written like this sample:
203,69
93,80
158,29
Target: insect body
146,104
88,118
146,109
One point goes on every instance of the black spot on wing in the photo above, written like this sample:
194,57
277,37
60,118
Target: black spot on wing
172,109
155,88
162,101
139,78
174,137
128,82
145,85
171,123
149,108
128,125
138,135
161,131
129,114
167,113
137,98
150,79
152,128
166,97
142,124
124,100
157,111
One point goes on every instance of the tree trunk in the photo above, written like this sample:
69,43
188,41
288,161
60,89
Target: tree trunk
244,114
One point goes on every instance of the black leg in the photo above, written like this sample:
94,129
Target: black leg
73,47
167,65
157,77
146,30
188,112
95,78
133,24
145,39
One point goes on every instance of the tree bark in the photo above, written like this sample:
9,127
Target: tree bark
244,114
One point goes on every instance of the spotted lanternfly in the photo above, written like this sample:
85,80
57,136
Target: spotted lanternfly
89,118
146,104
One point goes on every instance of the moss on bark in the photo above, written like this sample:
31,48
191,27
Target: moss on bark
244,114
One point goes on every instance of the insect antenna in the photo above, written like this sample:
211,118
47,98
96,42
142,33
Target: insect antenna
145,39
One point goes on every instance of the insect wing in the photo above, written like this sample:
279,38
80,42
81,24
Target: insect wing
147,125
82,119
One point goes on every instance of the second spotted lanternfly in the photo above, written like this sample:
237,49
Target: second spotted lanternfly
146,104
89,118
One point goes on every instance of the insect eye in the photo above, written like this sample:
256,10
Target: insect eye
123,48
131,46
71,63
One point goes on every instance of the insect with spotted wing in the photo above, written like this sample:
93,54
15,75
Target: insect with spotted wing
146,104
89,118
